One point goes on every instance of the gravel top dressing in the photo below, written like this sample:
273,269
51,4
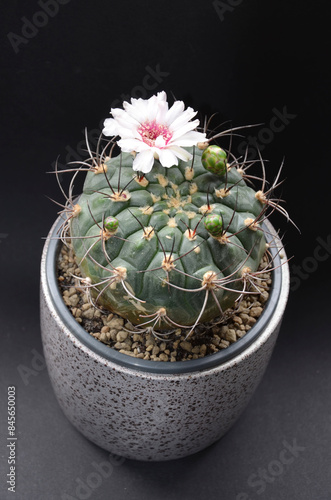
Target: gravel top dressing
117,333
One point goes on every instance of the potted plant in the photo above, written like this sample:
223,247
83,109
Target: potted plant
168,236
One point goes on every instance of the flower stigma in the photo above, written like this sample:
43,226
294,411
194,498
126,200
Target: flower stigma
150,131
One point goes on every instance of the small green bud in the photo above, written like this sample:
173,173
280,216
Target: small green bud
214,160
111,224
214,224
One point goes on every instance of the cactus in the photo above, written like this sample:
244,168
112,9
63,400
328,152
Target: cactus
166,244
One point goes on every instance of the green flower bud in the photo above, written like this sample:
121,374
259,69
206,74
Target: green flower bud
214,160
111,224
214,224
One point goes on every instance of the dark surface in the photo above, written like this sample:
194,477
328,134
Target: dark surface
262,57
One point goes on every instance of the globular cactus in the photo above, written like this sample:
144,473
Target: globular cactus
166,245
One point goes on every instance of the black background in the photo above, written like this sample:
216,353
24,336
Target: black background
255,58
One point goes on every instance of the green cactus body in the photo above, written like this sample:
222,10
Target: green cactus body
157,249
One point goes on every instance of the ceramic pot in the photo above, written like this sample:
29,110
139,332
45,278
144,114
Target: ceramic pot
148,410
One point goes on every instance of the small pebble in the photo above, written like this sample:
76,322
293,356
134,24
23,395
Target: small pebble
155,350
251,322
224,344
230,335
116,322
121,336
237,319
121,345
89,313
203,349
245,318
103,337
256,312
187,346
264,297
129,353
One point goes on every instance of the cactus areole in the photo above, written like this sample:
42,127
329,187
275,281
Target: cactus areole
165,228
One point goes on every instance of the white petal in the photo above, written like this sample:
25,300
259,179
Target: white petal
110,127
182,119
184,129
120,114
174,112
181,153
161,112
136,112
189,139
127,124
125,133
160,142
141,106
124,118
116,111
167,157
144,161
152,109
129,144
162,96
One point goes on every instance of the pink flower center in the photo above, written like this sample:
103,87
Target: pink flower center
150,131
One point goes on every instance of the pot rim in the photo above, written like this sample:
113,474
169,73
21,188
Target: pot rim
252,340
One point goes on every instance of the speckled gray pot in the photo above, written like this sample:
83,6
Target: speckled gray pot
149,410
